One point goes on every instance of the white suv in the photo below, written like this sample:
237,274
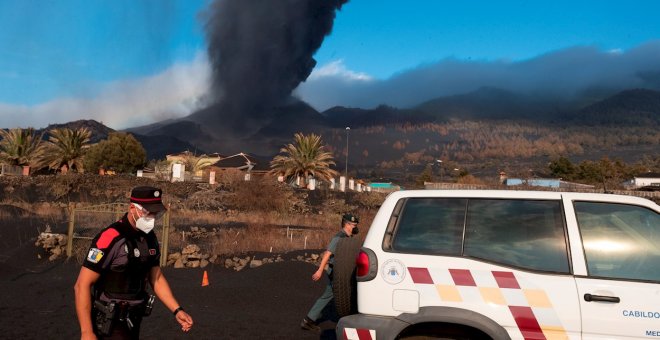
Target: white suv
479,264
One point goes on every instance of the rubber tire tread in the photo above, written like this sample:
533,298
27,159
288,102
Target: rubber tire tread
344,284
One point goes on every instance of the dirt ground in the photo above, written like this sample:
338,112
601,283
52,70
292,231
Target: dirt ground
36,295
262,303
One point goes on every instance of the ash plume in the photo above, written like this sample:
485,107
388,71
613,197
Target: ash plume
260,50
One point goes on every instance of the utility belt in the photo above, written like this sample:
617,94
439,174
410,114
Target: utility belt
106,314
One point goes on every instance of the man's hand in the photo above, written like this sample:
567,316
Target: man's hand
184,320
87,336
317,274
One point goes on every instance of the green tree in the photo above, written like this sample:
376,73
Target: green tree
121,152
67,147
21,147
306,157
425,176
562,168
605,173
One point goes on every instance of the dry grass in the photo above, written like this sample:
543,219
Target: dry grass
265,239
257,232
240,216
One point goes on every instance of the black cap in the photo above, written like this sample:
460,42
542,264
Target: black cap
350,218
149,198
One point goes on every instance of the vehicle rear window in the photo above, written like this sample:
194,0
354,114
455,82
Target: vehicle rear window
521,233
431,226
620,241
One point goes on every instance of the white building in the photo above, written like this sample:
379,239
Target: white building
647,179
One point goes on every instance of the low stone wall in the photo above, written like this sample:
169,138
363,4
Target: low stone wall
54,244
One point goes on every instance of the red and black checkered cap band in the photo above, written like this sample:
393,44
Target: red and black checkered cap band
145,200
148,197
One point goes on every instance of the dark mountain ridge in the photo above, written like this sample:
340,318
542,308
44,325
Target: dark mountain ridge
629,107
220,129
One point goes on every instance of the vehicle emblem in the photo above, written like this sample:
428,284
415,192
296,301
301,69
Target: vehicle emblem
393,271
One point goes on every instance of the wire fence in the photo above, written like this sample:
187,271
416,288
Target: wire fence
87,222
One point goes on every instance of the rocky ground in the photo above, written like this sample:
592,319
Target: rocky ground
249,296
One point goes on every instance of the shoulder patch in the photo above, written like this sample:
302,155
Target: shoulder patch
106,238
94,255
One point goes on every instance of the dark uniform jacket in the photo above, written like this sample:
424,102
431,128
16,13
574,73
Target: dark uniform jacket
124,257
332,247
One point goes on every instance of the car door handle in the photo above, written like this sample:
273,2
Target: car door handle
590,297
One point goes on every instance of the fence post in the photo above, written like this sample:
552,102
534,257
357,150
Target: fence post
166,237
69,241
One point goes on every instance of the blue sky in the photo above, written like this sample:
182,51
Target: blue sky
127,62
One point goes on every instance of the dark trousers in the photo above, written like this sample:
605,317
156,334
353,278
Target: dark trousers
121,331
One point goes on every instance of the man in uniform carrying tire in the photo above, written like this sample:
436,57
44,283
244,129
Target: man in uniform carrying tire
349,228
110,292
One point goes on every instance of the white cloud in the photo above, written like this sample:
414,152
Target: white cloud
338,69
333,84
173,93
560,74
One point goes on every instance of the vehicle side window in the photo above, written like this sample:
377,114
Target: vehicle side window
431,226
521,233
620,241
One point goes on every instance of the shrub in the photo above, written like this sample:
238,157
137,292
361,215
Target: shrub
262,194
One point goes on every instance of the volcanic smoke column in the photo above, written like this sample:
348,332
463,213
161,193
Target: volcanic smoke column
260,50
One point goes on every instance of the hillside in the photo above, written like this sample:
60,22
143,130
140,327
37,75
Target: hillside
98,130
636,107
220,128
340,117
484,103
482,131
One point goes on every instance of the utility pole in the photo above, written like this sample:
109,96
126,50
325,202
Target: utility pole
346,170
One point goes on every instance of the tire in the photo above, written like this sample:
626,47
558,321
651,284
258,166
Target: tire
344,285
442,331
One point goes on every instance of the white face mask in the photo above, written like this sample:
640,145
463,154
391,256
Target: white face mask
144,223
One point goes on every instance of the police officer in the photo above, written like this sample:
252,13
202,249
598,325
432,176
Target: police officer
349,228
111,295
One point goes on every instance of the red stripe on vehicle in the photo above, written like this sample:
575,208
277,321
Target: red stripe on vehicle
527,323
363,334
462,277
506,280
106,238
345,335
420,275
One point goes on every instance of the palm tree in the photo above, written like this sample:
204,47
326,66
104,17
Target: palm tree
195,163
66,147
304,158
21,147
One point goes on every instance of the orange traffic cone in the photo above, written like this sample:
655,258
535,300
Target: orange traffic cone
205,279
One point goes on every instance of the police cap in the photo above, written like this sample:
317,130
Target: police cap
350,218
149,198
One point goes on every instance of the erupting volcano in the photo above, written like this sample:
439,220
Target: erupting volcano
260,51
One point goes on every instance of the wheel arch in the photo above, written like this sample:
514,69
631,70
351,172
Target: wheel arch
456,316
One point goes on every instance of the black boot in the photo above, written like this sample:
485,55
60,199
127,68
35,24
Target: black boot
310,325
